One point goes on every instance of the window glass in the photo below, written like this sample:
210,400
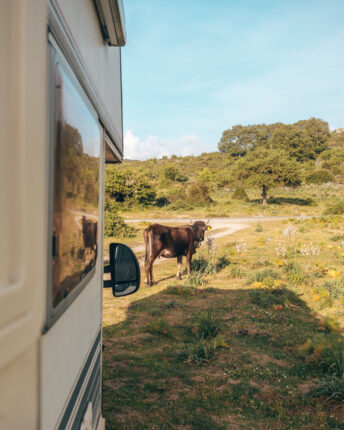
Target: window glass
76,189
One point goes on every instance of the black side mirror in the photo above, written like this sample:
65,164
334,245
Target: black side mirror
124,269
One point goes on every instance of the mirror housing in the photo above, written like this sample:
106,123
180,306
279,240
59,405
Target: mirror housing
124,269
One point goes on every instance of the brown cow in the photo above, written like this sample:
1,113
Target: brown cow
171,242
89,234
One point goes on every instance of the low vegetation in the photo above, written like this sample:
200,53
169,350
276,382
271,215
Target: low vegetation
256,336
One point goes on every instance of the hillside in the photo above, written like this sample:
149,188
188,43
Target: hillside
274,167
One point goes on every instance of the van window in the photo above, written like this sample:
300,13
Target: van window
76,189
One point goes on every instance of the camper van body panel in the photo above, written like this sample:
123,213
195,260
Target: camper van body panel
23,211
50,373
101,63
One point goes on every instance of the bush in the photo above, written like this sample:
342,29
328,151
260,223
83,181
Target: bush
240,194
320,176
198,193
114,225
335,208
174,174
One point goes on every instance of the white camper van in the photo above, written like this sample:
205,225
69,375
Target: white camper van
61,121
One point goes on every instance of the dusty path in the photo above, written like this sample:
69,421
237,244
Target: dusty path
228,228
227,225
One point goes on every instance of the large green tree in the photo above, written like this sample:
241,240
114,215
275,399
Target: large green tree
303,140
318,130
239,139
267,168
293,140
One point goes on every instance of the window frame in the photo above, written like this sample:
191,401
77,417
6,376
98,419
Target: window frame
56,58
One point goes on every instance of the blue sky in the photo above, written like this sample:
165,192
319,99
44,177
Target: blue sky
193,68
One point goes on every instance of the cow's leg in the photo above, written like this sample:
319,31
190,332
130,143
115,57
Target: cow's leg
149,270
189,258
179,266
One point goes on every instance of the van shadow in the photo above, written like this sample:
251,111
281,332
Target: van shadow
258,365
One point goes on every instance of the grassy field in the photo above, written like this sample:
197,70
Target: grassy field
307,200
252,340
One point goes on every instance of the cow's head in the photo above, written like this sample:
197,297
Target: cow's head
199,227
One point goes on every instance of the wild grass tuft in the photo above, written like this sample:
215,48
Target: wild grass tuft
335,288
158,327
201,351
237,272
296,273
330,387
180,290
195,279
174,304
208,324
262,275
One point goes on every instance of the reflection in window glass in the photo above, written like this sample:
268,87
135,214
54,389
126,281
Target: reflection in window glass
76,189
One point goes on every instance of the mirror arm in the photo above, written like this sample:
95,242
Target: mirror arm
107,284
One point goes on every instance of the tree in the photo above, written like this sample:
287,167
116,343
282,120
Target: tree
239,139
267,168
295,141
318,130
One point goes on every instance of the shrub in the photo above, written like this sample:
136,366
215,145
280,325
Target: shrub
208,267
181,204
221,262
199,264
114,225
198,193
320,176
259,228
335,209
240,194
174,174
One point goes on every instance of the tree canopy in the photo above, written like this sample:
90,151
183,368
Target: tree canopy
267,168
302,140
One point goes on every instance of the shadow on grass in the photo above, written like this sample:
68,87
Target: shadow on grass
256,380
287,201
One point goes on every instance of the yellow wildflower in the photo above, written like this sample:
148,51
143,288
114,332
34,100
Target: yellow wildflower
333,273
256,284
278,283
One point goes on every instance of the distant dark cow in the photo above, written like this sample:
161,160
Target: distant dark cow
171,242
89,234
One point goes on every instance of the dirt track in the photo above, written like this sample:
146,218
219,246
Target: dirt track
227,225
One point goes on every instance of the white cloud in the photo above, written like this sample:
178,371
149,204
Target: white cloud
153,146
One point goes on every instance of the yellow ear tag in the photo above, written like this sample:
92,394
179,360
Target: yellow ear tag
209,228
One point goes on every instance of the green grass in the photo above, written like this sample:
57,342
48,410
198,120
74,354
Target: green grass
257,342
